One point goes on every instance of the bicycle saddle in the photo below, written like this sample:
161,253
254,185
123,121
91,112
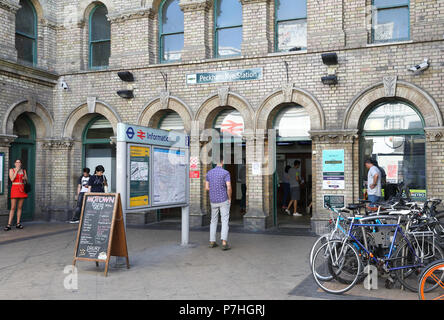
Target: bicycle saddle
354,206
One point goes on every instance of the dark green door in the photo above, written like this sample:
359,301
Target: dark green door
23,148
26,153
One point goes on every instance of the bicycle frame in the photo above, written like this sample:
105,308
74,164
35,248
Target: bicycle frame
386,260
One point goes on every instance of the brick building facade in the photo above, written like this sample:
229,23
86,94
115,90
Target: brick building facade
369,73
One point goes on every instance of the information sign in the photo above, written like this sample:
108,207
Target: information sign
169,176
333,169
139,176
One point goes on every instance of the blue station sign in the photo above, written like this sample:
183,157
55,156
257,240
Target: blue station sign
144,135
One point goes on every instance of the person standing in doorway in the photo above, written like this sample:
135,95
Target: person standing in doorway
295,190
82,187
18,177
374,191
285,186
98,182
218,184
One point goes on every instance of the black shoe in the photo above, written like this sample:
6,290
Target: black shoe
19,226
7,228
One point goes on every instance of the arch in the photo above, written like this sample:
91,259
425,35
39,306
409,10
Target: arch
154,5
408,92
152,111
85,7
296,95
212,105
41,9
80,116
38,113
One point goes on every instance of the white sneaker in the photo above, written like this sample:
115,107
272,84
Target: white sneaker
297,214
288,212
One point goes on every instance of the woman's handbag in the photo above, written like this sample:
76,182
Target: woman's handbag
27,186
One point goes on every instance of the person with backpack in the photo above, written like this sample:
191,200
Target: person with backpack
82,188
374,191
98,182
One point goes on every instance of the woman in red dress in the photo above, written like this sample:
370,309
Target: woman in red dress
18,177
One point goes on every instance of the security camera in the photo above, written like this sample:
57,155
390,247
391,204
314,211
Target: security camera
64,85
420,67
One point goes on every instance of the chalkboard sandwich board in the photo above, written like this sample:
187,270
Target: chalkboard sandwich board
101,231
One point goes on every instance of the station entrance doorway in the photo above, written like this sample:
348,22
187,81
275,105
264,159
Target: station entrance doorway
230,126
293,157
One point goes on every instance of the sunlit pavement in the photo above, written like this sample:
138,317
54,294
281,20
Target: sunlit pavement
35,263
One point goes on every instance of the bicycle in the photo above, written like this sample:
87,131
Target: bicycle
342,261
432,276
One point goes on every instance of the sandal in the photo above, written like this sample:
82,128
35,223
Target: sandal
225,247
213,245
7,228
19,226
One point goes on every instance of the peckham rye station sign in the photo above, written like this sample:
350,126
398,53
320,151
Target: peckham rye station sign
225,76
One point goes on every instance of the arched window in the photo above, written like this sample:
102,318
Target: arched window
26,32
171,121
227,28
290,25
171,29
292,123
393,135
99,38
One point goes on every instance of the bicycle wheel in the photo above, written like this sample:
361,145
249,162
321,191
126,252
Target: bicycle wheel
336,260
431,283
411,263
321,240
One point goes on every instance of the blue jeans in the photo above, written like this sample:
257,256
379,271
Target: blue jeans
373,199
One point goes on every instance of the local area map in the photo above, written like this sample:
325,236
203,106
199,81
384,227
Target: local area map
169,176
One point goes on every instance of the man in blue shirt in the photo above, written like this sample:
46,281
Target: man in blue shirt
218,183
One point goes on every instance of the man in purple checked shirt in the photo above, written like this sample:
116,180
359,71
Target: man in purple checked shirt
218,183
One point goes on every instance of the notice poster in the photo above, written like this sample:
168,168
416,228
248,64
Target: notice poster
334,201
139,176
333,169
169,176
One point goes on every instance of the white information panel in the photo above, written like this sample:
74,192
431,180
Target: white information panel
169,176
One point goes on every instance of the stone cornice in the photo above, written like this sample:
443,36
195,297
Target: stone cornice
49,24
10,6
133,14
434,134
334,136
252,1
195,5
28,73
57,144
6,140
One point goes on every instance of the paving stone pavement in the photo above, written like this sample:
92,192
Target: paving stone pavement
260,266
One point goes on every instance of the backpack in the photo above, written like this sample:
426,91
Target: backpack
383,176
